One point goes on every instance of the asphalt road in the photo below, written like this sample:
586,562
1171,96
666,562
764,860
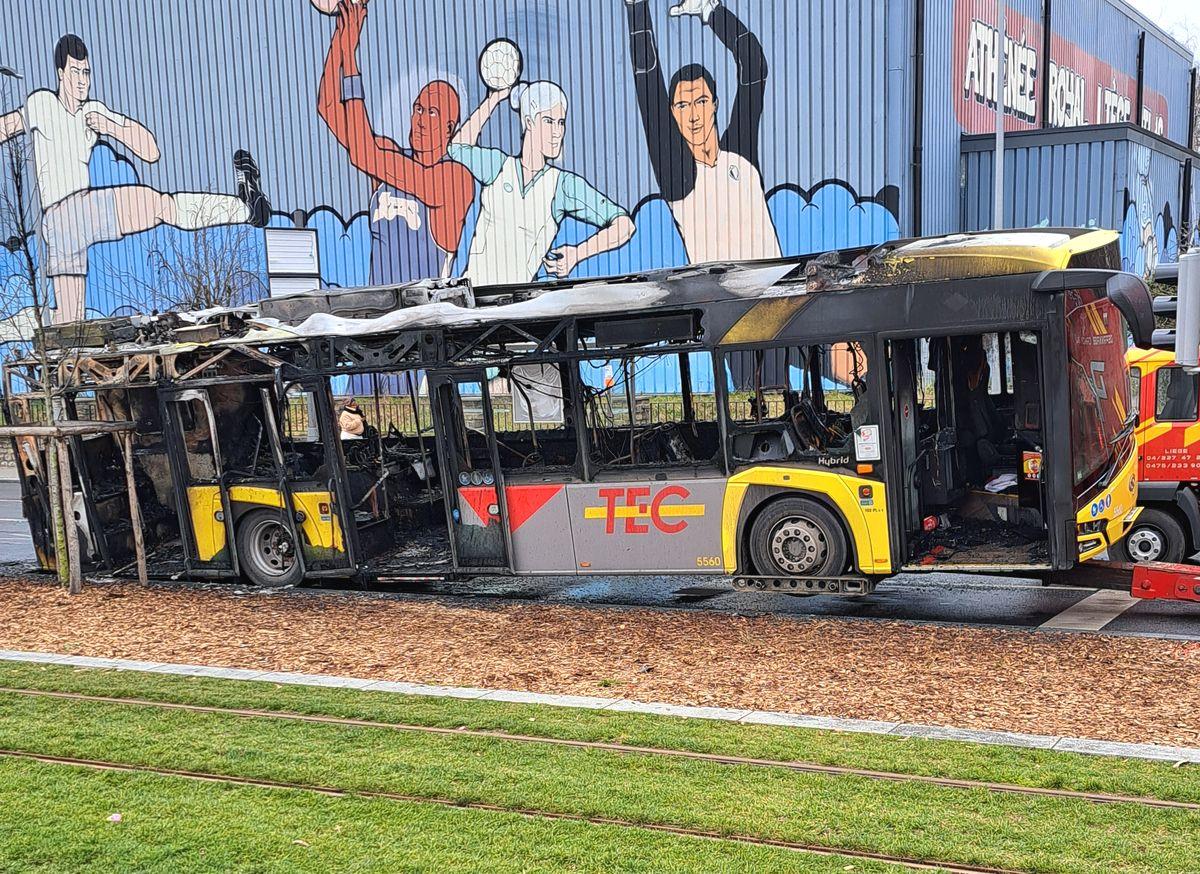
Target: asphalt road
955,599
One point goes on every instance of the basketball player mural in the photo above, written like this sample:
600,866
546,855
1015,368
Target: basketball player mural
711,181
64,126
421,198
525,197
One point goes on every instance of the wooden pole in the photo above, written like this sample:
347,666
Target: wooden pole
75,579
58,513
135,510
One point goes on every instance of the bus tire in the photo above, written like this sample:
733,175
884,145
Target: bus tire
265,549
1155,536
797,537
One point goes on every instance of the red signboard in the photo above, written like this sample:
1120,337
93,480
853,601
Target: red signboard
1081,88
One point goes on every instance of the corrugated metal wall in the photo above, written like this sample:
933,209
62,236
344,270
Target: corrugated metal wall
975,24
1093,51
1154,197
1169,73
1049,180
1103,47
803,107
1115,177
939,122
1063,175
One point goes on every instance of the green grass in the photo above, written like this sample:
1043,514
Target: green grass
998,764
56,819
854,813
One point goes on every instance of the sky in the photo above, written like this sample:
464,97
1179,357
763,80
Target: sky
1180,18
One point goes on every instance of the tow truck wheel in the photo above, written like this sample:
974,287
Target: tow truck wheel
796,537
1155,536
266,550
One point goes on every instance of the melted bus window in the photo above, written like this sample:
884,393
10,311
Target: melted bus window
534,421
797,401
651,410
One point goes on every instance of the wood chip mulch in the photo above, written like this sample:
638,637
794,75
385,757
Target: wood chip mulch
1110,688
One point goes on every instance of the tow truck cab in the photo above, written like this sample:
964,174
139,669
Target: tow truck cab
1167,397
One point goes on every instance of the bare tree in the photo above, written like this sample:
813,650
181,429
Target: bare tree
194,270
23,298
212,267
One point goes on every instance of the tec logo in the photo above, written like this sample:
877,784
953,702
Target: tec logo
1101,505
639,510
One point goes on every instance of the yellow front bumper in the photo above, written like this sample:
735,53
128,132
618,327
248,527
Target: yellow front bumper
1107,518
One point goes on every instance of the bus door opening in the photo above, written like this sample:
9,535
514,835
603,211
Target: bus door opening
201,502
970,417
321,498
385,426
476,503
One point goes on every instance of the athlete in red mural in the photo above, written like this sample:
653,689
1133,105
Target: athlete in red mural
418,223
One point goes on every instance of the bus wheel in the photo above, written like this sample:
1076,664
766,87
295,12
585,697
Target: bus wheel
796,537
1155,536
266,551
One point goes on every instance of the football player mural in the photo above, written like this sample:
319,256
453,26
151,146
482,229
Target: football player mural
711,180
424,194
64,125
525,197
504,141
456,202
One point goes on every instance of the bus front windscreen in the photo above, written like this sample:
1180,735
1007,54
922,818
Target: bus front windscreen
1101,414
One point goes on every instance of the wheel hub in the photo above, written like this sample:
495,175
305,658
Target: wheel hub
274,551
1146,544
798,546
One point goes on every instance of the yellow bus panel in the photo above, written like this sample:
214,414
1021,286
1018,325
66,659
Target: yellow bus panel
865,516
205,504
321,530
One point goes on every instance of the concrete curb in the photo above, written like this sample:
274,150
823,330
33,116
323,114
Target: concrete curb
1154,752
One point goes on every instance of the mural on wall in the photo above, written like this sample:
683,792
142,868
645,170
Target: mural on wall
516,215
1143,206
64,125
711,181
495,155
422,197
524,197
1149,235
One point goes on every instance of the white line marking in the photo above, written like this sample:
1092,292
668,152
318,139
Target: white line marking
1092,613
1157,752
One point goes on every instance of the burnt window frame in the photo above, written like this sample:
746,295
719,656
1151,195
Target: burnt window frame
732,427
626,359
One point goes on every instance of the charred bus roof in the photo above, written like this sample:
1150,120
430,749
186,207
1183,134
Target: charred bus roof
755,295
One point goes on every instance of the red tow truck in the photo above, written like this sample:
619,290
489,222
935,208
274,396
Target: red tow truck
1166,394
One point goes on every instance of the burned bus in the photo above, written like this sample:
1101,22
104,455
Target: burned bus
816,424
